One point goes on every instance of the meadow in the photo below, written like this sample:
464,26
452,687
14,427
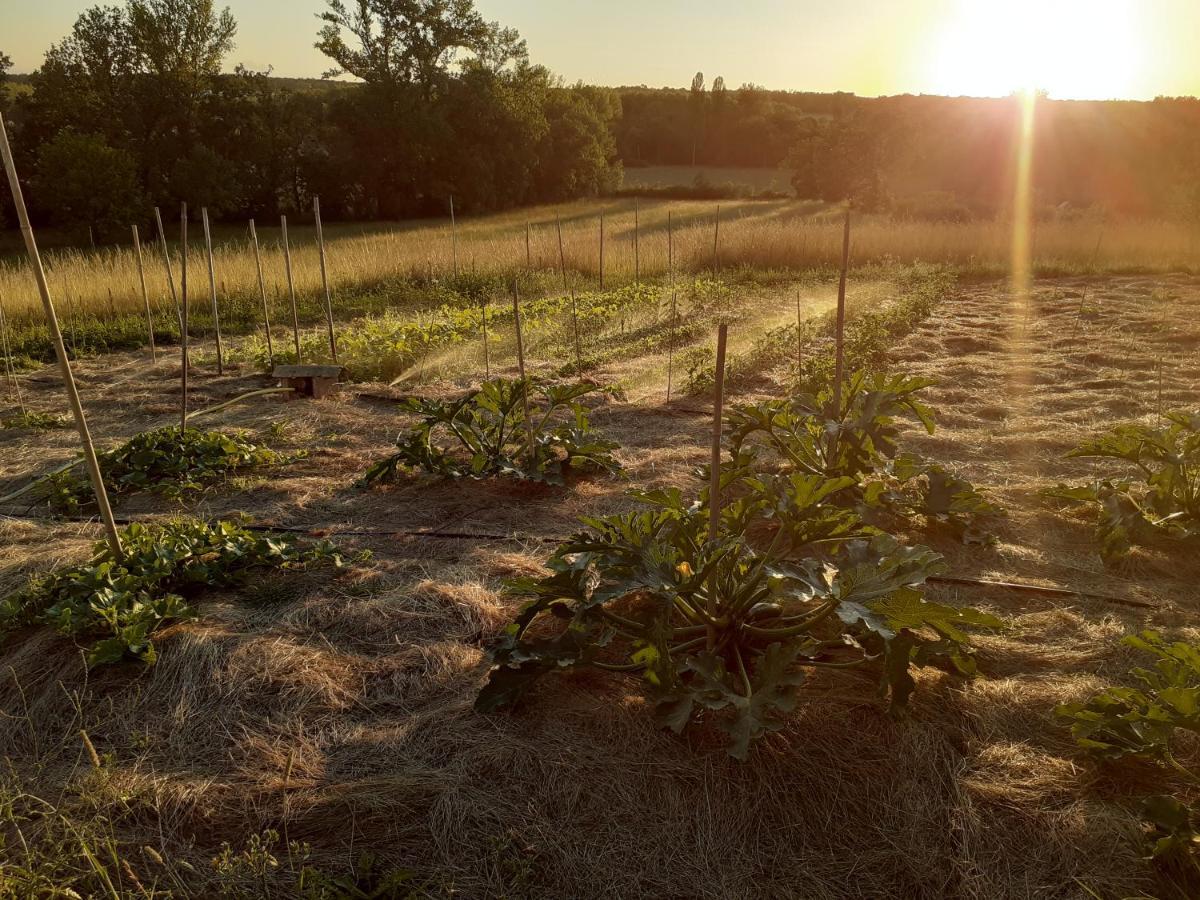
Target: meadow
759,236
753,180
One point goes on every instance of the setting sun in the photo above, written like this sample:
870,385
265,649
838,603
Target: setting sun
1072,49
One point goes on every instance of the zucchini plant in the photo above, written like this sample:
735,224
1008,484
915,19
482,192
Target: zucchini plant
721,625
118,604
812,435
1159,493
1148,722
858,439
168,461
486,433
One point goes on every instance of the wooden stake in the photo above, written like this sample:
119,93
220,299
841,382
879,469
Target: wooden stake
262,291
839,368
637,246
714,485
487,363
137,249
325,279
799,337
162,240
528,249
453,237
521,368
287,260
717,242
567,289
601,251
674,298
185,364
212,290
9,364
85,435
73,323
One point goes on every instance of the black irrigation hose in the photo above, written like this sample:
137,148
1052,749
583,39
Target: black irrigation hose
315,531
957,580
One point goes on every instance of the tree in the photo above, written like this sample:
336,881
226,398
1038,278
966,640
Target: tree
5,65
696,104
843,160
413,42
718,131
87,183
135,76
578,157
181,41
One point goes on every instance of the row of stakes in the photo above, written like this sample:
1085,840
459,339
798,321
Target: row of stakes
180,301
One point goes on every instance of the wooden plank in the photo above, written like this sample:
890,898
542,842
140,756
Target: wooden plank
307,371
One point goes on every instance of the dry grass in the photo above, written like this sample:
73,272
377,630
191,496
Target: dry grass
776,235
338,712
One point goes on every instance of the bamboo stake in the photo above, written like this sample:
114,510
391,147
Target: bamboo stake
137,249
162,240
453,237
262,291
73,321
637,245
716,241
601,251
487,363
183,312
325,279
799,336
562,262
674,298
521,369
212,289
1083,293
714,486
287,260
9,364
839,369
85,435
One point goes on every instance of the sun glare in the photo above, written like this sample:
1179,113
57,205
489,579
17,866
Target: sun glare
1072,49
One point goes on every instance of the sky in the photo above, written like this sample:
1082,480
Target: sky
1073,49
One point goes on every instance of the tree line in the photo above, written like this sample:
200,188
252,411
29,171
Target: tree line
939,157
132,109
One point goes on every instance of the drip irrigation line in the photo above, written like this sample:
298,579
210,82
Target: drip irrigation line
312,530
518,537
1065,593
